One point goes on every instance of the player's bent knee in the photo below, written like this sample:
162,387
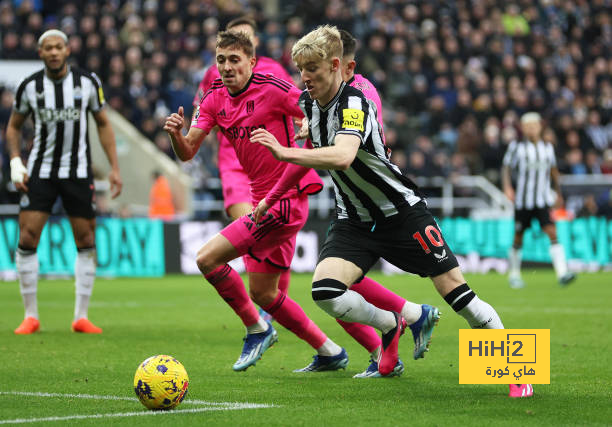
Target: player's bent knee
205,261
263,297
327,294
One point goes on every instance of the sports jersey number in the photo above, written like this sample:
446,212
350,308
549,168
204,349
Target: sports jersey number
436,240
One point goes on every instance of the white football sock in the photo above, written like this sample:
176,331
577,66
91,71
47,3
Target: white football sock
557,253
27,270
352,307
411,312
375,354
84,275
514,263
256,328
480,315
329,348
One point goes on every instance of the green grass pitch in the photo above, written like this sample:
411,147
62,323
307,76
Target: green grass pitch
56,370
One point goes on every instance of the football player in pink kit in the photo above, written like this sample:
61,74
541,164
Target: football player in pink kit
238,103
234,180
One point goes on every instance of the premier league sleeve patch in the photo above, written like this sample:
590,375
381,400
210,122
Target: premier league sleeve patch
352,119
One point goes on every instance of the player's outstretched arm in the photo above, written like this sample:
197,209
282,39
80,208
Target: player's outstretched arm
185,146
107,140
19,173
338,157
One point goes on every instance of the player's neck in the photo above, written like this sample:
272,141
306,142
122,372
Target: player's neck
235,91
333,90
57,75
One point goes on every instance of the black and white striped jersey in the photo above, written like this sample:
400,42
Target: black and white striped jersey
372,188
531,166
59,111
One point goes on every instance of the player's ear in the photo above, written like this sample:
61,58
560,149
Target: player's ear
351,65
253,60
335,64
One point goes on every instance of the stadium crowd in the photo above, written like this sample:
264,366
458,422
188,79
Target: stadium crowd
454,77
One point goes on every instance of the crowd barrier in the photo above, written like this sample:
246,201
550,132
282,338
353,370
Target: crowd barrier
143,247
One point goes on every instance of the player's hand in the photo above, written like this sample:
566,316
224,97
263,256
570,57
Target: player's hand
19,174
303,133
265,138
260,210
175,122
509,192
115,183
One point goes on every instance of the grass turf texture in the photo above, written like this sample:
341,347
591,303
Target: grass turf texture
184,317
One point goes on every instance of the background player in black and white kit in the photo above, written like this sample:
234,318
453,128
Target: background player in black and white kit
59,97
379,213
532,163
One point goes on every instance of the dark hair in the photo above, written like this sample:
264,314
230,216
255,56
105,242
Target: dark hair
242,20
236,40
349,44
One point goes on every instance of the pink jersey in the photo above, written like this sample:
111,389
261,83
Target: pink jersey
227,156
368,89
265,102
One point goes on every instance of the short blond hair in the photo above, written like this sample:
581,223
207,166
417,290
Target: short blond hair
531,117
321,44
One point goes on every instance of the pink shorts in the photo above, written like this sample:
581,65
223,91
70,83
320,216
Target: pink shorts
234,181
236,188
269,246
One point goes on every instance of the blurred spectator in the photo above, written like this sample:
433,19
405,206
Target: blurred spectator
445,70
161,203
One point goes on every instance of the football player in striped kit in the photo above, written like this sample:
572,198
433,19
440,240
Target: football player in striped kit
532,163
59,97
379,212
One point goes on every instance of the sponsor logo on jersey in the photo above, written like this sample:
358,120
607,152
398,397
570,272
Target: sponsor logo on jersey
59,115
352,119
241,132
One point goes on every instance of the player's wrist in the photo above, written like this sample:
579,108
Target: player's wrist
18,170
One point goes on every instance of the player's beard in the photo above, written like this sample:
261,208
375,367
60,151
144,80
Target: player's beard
57,70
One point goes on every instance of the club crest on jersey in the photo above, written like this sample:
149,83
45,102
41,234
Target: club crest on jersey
336,124
250,107
352,119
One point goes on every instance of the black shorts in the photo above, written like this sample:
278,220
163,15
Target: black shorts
78,197
410,240
524,217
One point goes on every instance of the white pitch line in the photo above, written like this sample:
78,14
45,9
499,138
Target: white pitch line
212,406
127,414
134,399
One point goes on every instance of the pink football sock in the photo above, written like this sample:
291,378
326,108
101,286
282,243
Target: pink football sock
363,334
283,282
230,286
289,314
377,294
